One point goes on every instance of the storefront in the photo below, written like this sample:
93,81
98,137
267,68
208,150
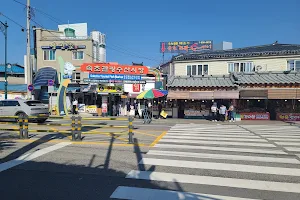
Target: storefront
193,97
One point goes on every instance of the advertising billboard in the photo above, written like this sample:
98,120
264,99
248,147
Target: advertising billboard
186,46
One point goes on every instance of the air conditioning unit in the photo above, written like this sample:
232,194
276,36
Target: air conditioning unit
260,68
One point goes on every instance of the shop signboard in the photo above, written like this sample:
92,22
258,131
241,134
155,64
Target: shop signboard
115,77
87,80
81,108
104,107
110,89
185,46
136,87
110,68
255,116
91,109
288,116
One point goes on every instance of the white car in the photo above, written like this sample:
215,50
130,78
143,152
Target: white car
34,108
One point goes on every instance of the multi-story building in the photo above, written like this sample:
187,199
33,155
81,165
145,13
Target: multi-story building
265,79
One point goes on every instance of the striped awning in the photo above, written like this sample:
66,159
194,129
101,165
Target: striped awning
44,75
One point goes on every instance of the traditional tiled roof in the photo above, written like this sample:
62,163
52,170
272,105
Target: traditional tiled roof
254,51
267,78
201,81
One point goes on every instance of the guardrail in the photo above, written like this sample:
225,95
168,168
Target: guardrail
76,126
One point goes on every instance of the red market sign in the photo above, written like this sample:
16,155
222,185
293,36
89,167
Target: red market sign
288,116
136,87
108,68
255,116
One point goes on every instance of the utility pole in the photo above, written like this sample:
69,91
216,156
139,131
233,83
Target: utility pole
5,68
28,58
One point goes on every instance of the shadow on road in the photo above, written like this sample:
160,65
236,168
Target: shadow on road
23,150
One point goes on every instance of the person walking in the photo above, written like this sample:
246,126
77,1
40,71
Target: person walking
214,109
230,113
222,112
75,104
136,109
159,106
128,107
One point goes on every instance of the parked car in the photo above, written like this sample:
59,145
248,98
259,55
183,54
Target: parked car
18,107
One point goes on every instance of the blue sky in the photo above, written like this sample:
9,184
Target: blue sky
134,28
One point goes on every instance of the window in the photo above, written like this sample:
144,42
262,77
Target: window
194,70
49,54
205,69
293,65
240,67
189,70
76,77
11,103
34,103
199,69
78,55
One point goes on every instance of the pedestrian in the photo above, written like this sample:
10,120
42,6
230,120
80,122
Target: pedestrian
136,109
159,109
230,113
75,104
214,109
128,107
222,112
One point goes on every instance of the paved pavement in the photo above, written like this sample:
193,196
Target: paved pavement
189,161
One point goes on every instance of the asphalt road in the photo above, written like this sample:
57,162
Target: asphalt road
190,161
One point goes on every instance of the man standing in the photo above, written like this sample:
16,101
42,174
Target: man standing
136,109
159,106
230,113
214,109
222,112
75,104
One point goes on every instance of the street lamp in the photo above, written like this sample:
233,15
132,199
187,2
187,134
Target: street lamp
3,28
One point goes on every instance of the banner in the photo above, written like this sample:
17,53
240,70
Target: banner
115,77
255,116
108,68
186,46
288,116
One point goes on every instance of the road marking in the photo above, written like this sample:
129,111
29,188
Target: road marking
292,148
158,138
211,132
216,142
288,143
289,133
152,135
212,135
263,151
221,166
135,193
214,138
224,156
30,156
216,181
285,139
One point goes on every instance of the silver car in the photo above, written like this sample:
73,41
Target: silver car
34,108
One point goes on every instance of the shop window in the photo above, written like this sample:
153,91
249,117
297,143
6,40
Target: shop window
293,65
49,55
240,67
78,55
189,70
194,70
199,69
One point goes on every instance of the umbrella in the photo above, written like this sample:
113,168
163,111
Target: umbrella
150,94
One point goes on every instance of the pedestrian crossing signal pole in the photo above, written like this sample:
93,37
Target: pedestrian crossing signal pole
28,63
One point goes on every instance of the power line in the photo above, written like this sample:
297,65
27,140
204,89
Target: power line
13,21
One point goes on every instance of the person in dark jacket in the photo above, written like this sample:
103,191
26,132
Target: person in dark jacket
159,109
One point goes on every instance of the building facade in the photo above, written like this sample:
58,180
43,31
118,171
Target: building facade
273,57
261,82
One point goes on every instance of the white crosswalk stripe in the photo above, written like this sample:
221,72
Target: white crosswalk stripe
218,162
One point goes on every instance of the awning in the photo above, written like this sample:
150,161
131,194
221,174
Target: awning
284,93
220,94
202,95
178,95
254,94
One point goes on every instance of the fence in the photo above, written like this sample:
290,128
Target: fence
76,126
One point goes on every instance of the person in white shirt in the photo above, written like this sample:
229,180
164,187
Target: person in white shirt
222,112
75,104
214,109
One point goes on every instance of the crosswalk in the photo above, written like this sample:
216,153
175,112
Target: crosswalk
219,162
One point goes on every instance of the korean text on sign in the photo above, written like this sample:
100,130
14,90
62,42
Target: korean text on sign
106,68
